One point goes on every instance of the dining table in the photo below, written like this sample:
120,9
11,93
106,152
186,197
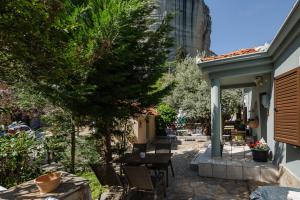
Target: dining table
158,161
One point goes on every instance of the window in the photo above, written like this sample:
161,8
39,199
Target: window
287,107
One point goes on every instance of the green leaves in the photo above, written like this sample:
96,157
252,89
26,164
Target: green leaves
192,94
19,159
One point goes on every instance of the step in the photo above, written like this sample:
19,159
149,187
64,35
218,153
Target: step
235,169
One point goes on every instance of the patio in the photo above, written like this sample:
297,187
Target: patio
187,184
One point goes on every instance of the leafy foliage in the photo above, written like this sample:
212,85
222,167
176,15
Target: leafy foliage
166,116
167,113
19,159
192,94
93,58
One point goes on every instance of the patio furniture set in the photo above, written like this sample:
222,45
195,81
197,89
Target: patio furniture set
139,173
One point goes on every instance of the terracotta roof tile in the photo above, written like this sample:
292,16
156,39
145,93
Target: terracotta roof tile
151,111
231,54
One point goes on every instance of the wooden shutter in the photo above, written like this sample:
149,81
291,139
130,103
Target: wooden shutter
287,107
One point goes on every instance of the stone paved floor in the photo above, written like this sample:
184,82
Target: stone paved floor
187,185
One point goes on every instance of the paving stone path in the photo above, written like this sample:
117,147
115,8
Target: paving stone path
187,185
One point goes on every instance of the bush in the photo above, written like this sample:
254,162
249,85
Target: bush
20,158
167,115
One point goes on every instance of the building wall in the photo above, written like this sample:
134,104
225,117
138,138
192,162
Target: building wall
144,128
151,128
254,107
286,154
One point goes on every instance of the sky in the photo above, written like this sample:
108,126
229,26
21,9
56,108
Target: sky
240,24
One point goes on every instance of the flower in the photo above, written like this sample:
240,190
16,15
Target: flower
259,146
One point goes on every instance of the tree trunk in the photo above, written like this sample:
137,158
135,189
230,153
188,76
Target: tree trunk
73,147
108,150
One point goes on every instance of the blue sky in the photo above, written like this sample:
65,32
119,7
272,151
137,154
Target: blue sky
240,24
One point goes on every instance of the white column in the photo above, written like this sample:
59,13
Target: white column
215,118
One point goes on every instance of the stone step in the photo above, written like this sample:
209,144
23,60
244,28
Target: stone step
235,168
239,170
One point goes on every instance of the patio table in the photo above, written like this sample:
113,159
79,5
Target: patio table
159,160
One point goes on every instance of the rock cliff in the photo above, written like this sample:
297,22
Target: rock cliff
192,24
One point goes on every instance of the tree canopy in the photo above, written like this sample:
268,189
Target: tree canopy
192,94
95,58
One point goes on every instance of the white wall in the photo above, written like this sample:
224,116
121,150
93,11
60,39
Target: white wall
255,106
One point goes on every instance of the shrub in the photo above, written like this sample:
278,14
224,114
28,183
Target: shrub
19,159
167,115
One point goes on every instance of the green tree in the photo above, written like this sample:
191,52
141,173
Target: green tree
43,45
192,94
133,49
93,58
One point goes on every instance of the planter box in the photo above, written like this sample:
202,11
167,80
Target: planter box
260,156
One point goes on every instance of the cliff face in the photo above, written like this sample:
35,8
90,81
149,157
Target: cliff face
192,24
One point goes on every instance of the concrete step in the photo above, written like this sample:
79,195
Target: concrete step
235,169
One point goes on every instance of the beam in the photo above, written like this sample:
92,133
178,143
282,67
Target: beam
242,85
258,70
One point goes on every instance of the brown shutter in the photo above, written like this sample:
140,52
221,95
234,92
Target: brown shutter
287,107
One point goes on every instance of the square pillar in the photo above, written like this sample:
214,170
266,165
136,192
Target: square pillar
215,118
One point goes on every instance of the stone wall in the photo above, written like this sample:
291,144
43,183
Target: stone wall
191,23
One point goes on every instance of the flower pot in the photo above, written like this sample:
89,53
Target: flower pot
49,182
260,156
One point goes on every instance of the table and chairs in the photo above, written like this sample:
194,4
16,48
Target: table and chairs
139,171
140,180
144,163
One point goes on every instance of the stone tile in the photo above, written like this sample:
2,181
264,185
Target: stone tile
269,174
205,169
252,173
219,169
235,172
188,185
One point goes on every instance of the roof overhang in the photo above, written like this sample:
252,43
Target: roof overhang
240,71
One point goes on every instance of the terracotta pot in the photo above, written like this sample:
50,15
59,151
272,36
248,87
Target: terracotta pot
49,182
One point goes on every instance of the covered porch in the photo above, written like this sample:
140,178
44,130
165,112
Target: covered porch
251,71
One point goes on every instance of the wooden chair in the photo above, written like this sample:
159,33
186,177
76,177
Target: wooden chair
140,180
137,148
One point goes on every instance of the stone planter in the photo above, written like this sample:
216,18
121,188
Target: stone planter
260,155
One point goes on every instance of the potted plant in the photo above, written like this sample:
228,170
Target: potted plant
260,151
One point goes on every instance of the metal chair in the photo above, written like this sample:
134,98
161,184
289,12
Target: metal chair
165,148
140,180
137,148
106,174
